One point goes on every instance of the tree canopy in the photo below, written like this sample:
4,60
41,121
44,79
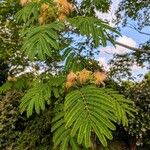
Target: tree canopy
54,94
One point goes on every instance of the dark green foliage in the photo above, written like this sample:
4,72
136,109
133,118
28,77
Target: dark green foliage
9,38
72,61
140,126
3,72
36,133
75,62
122,64
10,120
19,133
102,5
20,83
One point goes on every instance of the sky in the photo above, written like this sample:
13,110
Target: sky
129,37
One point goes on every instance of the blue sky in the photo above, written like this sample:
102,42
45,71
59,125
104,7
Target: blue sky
135,35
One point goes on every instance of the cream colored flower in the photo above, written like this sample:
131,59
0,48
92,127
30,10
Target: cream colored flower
71,77
62,17
69,84
64,8
42,19
43,13
100,77
23,2
84,75
13,79
64,5
44,7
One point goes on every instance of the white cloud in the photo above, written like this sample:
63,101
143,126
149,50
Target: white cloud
119,49
103,62
136,67
116,50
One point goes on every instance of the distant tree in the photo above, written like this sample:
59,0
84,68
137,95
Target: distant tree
135,12
135,15
139,127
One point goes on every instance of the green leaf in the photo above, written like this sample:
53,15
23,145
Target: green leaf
95,28
91,109
61,135
36,97
42,41
28,14
5,87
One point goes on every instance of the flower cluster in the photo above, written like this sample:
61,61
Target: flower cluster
43,13
24,2
59,10
85,77
64,8
13,79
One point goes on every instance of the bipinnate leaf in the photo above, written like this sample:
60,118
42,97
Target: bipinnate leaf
92,109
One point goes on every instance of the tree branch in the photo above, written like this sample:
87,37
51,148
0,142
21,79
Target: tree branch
133,48
133,27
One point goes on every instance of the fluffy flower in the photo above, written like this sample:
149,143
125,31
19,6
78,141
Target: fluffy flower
69,84
13,79
71,77
62,17
100,77
64,6
44,7
23,2
42,19
84,75
43,13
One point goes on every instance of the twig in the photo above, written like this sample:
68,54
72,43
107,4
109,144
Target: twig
133,48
